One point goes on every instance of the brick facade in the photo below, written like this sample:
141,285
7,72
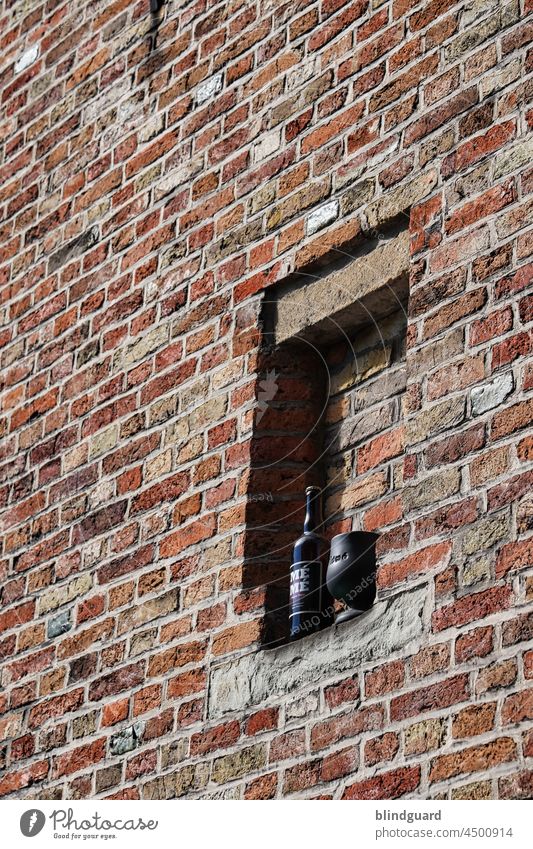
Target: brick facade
160,176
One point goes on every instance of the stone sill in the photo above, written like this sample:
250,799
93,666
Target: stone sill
253,679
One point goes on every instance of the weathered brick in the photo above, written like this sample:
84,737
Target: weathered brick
496,676
472,607
518,707
387,785
385,679
79,758
420,561
238,764
474,759
473,720
433,697
424,736
345,725
475,643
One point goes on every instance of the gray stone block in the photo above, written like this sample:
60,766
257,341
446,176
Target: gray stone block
74,248
391,625
128,739
59,624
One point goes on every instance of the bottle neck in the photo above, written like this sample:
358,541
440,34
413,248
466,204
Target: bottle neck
313,510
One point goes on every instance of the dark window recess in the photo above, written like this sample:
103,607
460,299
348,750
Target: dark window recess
329,413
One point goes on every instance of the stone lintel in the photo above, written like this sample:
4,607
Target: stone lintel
364,289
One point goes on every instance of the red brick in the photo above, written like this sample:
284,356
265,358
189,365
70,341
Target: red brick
319,137
474,759
457,376
343,692
472,151
516,786
441,115
384,679
388,785
192,533
496,676
430,659
262,788
144,763
379,450
55,707
449,314
381,749
147,699
511,349
14,781
475,643
515,282
433,697
137,251
115,712
187,683
420,561
122,679
431,11
518,707
518,629
512,419
237,637
346,725
339,764
17,616
292,744
220,737
80,758
263,720
514,555
495,324
301,777
30,664
471,607
510,491
474,720
448,518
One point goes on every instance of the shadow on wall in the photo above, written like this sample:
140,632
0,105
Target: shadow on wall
285,458
320,412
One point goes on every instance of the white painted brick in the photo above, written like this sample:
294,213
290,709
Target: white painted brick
302,72
27,58
323,216
267,145
492,394
209,88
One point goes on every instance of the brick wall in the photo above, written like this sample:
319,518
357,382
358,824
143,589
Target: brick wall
364,420
158,177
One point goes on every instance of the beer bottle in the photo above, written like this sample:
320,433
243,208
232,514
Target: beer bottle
309,597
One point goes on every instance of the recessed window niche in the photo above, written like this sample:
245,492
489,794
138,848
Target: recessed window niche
332,374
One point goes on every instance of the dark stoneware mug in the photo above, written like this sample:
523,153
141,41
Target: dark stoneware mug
351,575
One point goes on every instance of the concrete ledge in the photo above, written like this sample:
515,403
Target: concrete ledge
255,678
348,296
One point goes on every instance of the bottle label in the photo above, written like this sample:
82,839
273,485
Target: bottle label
305,587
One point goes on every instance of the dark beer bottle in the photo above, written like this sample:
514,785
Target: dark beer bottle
309,597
